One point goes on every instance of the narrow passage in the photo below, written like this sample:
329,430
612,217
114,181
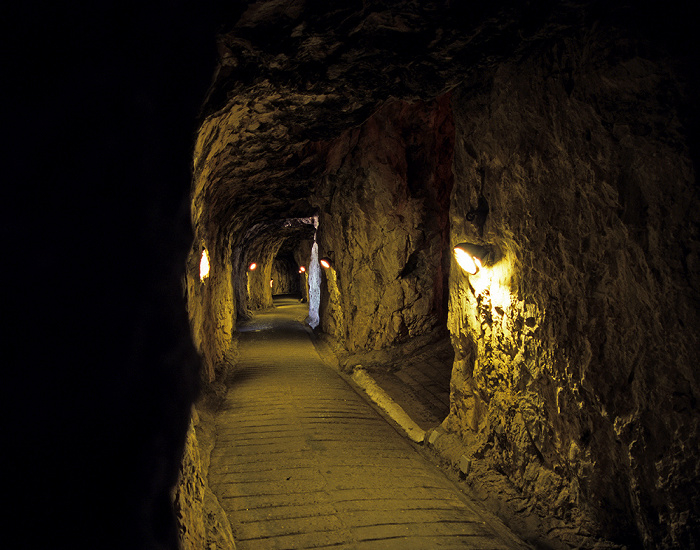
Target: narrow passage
303,461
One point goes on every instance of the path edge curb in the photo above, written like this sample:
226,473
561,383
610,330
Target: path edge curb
388,405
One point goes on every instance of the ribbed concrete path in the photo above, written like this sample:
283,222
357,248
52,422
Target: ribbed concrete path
303,461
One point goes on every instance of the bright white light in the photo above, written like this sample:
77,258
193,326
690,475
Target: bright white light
252,266
314,287
467,262
325,263
204,266
302,269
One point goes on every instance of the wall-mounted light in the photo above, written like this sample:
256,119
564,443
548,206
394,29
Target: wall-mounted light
204,265
325,263
252,266
302,269
471,257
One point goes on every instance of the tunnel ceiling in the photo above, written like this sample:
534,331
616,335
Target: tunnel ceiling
294,75
278,237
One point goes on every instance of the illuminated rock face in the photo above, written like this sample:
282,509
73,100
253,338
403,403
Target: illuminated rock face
575,372
383,218
211,306
314,287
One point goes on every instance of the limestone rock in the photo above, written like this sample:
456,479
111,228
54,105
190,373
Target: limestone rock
580,372
189,496
201,520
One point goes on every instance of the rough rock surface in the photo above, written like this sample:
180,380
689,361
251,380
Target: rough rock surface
383,222
576,373
293,76
212,305
201,520
189,495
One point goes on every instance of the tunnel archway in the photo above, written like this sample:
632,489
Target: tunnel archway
521,138
285,275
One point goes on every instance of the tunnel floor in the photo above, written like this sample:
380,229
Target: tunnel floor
302,460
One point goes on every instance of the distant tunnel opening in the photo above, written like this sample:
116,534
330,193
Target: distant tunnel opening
285,276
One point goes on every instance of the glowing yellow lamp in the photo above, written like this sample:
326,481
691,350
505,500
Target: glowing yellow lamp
302,269
204,266
252,266
325,263
470,256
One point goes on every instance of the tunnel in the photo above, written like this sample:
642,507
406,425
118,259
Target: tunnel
471,228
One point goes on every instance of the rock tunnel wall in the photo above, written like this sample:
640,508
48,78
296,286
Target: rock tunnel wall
258,284
383,222
575,373
211,304
302,256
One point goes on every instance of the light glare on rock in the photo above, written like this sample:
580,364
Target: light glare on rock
204,266
467,262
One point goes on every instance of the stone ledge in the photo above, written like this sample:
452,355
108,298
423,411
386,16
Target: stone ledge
388,405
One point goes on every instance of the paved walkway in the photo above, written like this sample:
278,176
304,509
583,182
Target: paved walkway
303,461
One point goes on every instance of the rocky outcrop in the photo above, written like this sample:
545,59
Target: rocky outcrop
575,374
201,520
383,223
293,77
212,305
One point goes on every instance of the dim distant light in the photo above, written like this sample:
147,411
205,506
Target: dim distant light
204,265
252,266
